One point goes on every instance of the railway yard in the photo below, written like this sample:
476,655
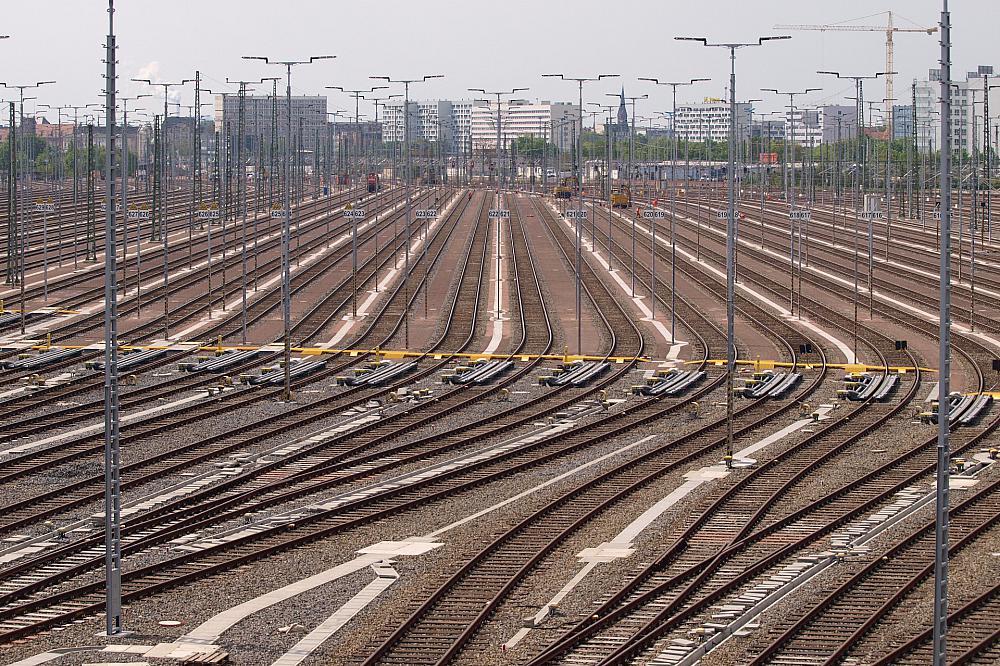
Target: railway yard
412,519
364,393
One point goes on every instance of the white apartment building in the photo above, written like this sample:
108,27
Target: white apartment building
429,120
393,125
434,120
966,110
461,115
927,97
459,122
812,127
553,121
709,120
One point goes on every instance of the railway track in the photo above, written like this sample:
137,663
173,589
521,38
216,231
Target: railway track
918,261
227,325
973,636
481,226
497,565
178,220
839,623
179,457
304,331
703,539
431,635
658,624
131,301
974,353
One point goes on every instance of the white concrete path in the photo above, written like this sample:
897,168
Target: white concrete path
388,279
98,305
674,346
497,270
385,576
126,418
211,630
621,545
923,314
755,295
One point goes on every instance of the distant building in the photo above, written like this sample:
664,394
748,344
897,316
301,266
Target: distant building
967,109
552,121
461,118
393,127
768,129
709,120
902,119
621,127
823,124
46,130
461,123
43,129
370,132
257,118
429,120
654,132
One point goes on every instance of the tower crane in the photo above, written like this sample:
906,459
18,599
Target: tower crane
889,30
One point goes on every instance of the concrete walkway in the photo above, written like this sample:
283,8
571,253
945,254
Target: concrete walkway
211,630
497,270
786,314
621,545
389,278
923,314
385,577
674,346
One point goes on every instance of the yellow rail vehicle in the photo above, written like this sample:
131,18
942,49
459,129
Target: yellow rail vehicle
622,198
564,190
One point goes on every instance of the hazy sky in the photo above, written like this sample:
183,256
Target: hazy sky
478,44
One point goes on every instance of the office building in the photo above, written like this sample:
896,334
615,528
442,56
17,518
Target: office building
553,121
709,120
308,116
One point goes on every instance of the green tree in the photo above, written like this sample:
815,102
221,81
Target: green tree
531,147
81,164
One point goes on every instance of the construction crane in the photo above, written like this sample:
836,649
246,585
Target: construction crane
889,29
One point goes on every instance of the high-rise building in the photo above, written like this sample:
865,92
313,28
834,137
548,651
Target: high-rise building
967,109
709,120
429,120
257,117
393,128
823,124
461,116
461,122
552,121
902,121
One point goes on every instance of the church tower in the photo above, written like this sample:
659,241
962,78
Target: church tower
622,128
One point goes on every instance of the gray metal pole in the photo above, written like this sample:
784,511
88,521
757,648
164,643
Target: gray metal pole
631,147
944,359
163,227
730,234
790,192
673,223
730,267
22,229
112,462
498,171
286,278
124,185
241,189
286,221
406,269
